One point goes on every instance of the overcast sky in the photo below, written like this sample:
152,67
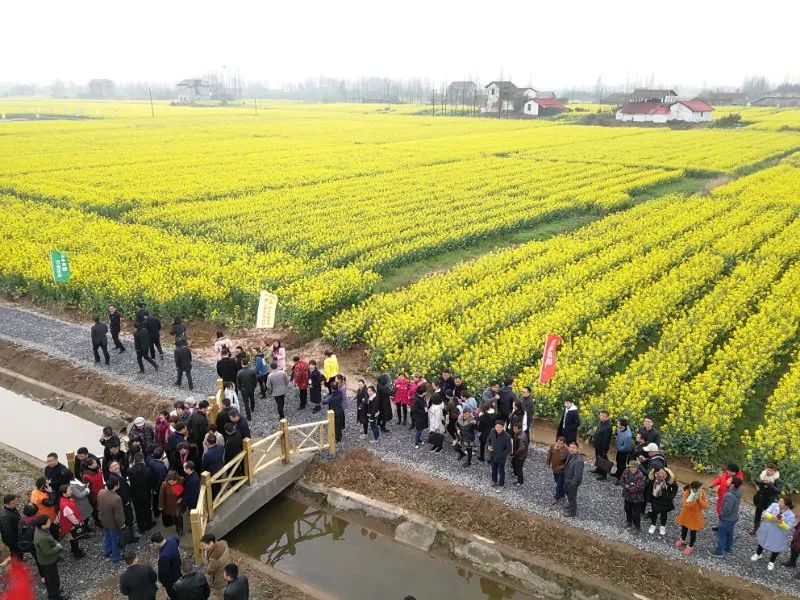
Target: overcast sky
552,44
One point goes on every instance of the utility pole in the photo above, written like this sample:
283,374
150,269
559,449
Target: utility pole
255,105
433,102
152,112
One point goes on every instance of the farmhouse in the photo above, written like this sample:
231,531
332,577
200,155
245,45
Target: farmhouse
615,98
192,90
779,101
542,107
662,106
500,97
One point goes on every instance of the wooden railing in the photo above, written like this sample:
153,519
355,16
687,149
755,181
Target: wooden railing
245,467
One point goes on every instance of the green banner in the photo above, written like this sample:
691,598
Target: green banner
60,265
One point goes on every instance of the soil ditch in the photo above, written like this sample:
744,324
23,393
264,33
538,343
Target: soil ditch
647,574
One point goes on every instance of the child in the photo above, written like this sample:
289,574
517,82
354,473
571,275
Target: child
691,518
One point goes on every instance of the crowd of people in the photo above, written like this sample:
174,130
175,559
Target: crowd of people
495,425
147,471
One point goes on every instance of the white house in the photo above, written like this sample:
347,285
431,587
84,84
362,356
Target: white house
692,111
192,90
535,107
500,96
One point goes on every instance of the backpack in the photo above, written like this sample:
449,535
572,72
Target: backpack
25,540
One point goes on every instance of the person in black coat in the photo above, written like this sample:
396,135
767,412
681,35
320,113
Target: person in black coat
183,364
240,422
569,423
140,480
169,561
214,457
499,446
9,525
419,413
505,405
192,585
650,433
57,473
153,326
315,381
334,402
385,392
100,340
247,381
158,472
601,441
138,582
141,312
141,341
238,587
234,443
227,367
115,326
198,426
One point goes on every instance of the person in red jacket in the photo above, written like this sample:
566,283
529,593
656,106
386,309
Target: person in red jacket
92,476
402,398
69,518
722,483
300,379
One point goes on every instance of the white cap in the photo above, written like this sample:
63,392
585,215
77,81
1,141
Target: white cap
651,447
190,401
138,421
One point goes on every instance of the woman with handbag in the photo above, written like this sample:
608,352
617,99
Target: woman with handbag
170,501
436,424
70,523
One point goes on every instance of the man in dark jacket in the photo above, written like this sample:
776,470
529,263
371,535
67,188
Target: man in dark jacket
192,585
214,457
141,312
247,381
183,364
153,326
115,326
506,402
169,562
569,423
601,441
650,433
573,477
499,447
527,404
57,474
141,341
138,582
82,454
240,423
198,426
227,368
9,525
141,492
100,340
385,392
158,472
519,451
234,443
191,486
238,587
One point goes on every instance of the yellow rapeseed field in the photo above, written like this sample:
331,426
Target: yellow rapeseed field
683,307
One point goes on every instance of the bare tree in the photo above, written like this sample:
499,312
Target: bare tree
755,86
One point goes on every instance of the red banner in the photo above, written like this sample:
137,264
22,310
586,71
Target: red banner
548,369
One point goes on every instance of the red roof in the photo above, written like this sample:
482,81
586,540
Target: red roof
645,108
697,105
549,103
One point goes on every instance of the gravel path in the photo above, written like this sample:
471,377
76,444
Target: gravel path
600,507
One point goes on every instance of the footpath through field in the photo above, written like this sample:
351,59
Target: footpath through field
600,507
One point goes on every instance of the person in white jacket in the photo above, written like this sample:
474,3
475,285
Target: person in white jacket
436,424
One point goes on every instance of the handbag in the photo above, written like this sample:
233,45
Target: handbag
78,531
603,464
435,438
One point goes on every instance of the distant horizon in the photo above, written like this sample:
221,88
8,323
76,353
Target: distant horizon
551,46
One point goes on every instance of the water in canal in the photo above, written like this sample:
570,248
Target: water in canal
350,562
